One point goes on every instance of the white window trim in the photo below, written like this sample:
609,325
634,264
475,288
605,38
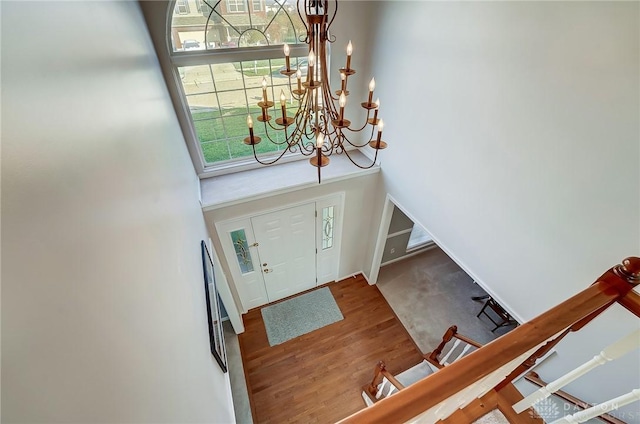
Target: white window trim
212,57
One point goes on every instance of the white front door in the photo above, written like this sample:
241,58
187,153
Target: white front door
287,250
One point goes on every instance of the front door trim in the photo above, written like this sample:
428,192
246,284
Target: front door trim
255,296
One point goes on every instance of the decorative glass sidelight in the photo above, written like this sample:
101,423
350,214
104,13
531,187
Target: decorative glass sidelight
239,239
327,227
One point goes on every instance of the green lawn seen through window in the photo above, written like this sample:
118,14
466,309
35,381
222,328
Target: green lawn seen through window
225,141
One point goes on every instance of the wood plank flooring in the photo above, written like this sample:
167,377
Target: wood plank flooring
317,377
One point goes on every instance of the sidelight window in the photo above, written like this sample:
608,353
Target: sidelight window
243,255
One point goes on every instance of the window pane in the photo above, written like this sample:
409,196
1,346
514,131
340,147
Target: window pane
203,106
209,129
214,24
241,247
327,227
196,79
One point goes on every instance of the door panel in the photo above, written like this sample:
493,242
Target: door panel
286,241
238,247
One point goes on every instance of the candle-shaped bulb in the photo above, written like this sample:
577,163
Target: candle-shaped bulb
264,83
343,76
349,48
380,126
319,140
286,50
372,84
283,98
299,74
312,58
249,121
343,100
378,103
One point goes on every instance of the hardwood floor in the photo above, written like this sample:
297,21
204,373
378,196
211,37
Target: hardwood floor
317,377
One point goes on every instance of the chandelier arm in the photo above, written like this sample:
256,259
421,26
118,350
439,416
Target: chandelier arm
366,122
306,27
266,132
255,156
352,144
346,152
332,39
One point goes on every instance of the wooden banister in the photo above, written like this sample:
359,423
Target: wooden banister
631,301
392,380
535,379
380,372
428,392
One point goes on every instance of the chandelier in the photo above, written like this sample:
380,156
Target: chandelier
318,128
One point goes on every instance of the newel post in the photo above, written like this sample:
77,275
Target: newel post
629,270
377,378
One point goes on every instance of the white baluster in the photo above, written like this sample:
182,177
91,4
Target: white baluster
603,408
381,389
392,389
610,353
455,345
464,351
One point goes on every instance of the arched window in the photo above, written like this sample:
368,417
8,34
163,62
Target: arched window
221,50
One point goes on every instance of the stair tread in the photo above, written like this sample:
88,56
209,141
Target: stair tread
493,417
414,374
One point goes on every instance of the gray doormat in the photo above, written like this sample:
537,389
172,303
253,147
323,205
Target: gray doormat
300,315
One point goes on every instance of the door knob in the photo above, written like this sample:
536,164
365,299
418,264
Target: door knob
266,271
264,264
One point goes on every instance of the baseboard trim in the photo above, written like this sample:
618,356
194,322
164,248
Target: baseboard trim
354,275
408,255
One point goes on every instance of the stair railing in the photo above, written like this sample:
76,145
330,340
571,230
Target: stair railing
383,384
461,346
610,353
473,376
534,378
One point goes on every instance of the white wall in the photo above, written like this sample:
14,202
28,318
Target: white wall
514,140
103,311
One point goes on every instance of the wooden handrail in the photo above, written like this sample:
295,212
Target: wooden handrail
439,386
546,348
392,380
631,301
535,379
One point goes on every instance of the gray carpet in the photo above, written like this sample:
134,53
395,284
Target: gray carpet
300,315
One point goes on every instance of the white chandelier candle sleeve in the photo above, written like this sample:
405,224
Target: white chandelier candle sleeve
610,353
342,102
349,51
250,125
264,90
380,128
319,140
375,112
286,56
252,139
283,105
312,62
372,86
